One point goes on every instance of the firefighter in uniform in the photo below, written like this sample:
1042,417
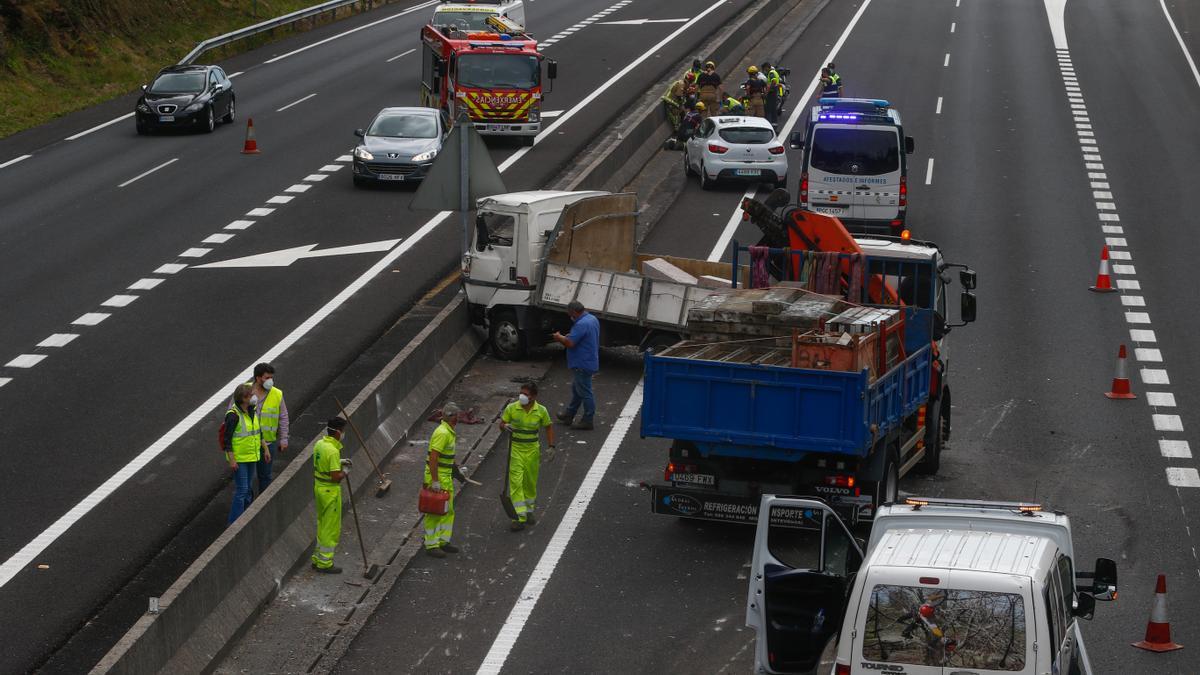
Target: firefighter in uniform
329,470
674,98
440,472
524,419
709,84
756,91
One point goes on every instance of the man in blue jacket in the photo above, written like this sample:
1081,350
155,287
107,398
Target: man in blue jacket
583,358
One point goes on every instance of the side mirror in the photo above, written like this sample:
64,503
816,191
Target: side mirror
967,310
360,133
552,69
218,87
796,140
967,278
1085,606
1104,581
908,145
145,87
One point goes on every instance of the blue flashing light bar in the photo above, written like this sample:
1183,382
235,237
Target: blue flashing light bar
834,102
850,117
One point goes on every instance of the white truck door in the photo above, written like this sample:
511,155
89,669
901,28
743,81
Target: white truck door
803,568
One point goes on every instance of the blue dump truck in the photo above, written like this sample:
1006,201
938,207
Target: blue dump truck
783,390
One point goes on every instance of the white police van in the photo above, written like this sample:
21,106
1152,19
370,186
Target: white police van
946,586
855,164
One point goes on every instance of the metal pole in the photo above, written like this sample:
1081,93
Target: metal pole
464,178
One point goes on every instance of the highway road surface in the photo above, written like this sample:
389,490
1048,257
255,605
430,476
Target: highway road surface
122,340
1044,130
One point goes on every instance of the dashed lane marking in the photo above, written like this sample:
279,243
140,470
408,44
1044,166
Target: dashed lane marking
298,188
260,212
316,177
170,268
1155,376
1167,422
14,160
1179,476
25,361
1142,335
297,102
91,319
58,340
1160,399
929,172
280,199
1175,449
195,253
401,55
147,173
938,110
239,225
146,284
343,34
119,301
216,239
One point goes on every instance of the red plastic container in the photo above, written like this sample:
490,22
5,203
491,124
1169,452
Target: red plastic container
433,503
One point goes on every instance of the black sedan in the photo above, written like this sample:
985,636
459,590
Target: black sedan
186,97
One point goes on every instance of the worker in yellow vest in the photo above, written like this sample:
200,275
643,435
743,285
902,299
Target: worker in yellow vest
243,445
273,414
440,472
329,471
524,420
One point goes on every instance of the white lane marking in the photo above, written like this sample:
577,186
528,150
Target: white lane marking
296,102
1133,301
170,268
939,107
929,172
38,544
630,22
259,212
1179,38
1120,255
1147,354
316,177
1179,449
91,319
145,284
25,361
233,75
331,38
1124,269
280,199
1115,241
587,100
344,158
147,173
1149,376
527,601
1142,335
287,256
1100,185
1112,229
1178,476
217,238
1106,206
119,301
1091,158
239,225
58,340
5,380
14,161
298,187
797,111
401,55
332,167
1094,165
1129,284
1137,317
98,127
1088,141
194,253
952,26
1160,399
956,2
946,61
1110,217
730,228
1098,176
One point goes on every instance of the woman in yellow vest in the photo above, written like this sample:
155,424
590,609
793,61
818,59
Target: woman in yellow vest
243,447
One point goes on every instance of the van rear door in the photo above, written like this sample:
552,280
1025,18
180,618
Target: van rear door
854,171
804,564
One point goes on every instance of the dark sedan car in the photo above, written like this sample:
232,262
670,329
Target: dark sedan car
400,145
186,97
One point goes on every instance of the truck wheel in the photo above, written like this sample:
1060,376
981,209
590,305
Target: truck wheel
888,489
527,141
932,461
505,335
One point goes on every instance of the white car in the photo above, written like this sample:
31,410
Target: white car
731,147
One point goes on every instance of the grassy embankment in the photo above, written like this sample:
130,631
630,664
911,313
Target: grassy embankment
58,56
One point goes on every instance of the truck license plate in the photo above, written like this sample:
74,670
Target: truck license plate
700,479
495,127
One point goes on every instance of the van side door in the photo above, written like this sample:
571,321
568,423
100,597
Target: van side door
804,565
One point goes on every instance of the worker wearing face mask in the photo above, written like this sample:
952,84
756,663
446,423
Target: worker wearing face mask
524,420
273,414
243,446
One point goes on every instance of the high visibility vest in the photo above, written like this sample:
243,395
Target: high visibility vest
268,413
774,81
525,425
442,442
246,441
327,458
735,106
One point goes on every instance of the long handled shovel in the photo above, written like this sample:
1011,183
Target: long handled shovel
385,483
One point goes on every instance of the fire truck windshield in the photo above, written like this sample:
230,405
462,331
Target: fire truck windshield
513,71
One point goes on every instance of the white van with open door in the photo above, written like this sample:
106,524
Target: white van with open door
855,164
946,587
468,16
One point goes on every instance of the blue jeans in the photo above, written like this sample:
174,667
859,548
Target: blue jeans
241,490
581,393
264,467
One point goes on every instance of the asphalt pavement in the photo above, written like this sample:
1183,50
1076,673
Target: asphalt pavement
114,329
1005,179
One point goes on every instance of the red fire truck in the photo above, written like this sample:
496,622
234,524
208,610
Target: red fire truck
495,76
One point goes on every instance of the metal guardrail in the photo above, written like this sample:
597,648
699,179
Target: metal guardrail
269,24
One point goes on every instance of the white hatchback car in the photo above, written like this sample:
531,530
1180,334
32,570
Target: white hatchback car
740,148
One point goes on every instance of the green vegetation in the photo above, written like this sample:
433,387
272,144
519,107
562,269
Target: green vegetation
58,56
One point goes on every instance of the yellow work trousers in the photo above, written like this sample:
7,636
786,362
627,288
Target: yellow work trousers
523,478
329,523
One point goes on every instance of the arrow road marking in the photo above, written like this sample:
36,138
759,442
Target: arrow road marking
288,256
638,22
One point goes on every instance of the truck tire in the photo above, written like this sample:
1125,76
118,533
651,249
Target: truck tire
505,336
887,490
932,461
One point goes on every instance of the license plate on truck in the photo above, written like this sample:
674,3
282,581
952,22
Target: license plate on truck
698,479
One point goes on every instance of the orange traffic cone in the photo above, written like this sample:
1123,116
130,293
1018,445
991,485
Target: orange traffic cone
1103,280
1120,384
1158,630
251,146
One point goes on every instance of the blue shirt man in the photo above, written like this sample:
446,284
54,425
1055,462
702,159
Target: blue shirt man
583,358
